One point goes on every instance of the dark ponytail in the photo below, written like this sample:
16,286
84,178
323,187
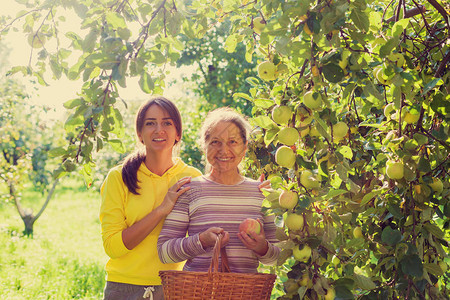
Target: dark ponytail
130,167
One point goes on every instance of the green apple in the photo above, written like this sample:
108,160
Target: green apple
397,58
394,170
357,232
267,71
281,114
312,100
291,286
437,185
305,280
304,116
250,225
330,295
302,254
288,136
285,157
288,199
335,260
309,180
340,130
258,24
410,116
388,110
294,221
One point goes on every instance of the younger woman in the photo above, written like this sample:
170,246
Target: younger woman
136,197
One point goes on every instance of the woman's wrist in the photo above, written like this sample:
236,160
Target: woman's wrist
263,250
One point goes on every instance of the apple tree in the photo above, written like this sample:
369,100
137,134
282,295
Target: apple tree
25,141
364,85
351,113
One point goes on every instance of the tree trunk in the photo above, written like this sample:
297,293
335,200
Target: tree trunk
27,214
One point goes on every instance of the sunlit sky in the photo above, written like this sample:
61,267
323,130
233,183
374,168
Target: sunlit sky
63,89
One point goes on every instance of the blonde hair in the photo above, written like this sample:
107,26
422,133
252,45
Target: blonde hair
224,114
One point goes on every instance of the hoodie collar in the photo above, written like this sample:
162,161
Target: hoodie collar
178,166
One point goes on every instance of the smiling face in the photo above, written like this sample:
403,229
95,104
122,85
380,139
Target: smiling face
158,132
225,149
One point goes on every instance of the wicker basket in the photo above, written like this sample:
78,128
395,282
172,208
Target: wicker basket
215,285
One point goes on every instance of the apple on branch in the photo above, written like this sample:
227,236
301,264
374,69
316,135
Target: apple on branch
258,25
281,114
288,199
288,136
302,254
312,100
285,157
309,180
294,221
394,170
267,71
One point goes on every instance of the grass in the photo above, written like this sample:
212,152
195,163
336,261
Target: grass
65,258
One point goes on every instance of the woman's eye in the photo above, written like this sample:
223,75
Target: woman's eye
168,123
149,123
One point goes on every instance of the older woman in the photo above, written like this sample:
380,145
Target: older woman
217,203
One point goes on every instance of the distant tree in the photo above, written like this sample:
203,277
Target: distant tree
25,142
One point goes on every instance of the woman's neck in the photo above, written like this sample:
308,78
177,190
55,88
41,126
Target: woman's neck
158,163
228,178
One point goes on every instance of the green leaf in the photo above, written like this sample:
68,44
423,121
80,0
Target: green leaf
367,197
117,145
387,48
115,20
73,103
242,95
424,165
55,152
333,73
264,122
346,151
391,236
434,269
333,193
146,83
364,282
434,230
412,265
231,43
263,103
399,26
360,19
430,85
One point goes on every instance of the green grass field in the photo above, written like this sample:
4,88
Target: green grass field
65,257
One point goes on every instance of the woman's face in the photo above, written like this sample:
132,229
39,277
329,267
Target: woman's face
158,131
225,147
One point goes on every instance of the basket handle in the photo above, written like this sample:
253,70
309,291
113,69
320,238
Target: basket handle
219,251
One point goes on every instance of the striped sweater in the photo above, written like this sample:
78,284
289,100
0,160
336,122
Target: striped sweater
210,204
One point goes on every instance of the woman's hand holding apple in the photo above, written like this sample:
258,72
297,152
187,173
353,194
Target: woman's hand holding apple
254,240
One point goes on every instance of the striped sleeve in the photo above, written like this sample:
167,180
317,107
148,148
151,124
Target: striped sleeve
173,244
271,257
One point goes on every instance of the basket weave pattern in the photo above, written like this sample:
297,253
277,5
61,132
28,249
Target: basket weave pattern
215,285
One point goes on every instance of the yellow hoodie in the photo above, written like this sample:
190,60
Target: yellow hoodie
121,209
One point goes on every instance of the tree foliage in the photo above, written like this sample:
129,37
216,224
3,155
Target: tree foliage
365,84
